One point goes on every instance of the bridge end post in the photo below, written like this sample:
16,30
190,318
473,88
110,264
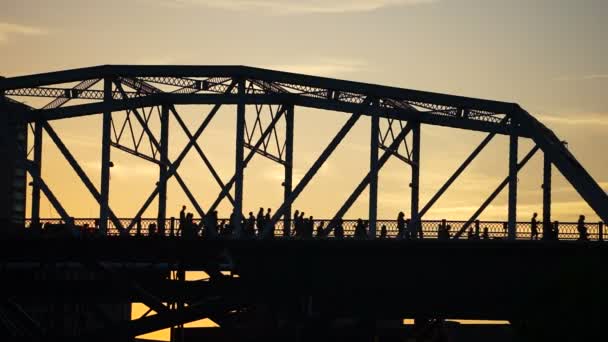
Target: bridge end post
105,158
512,210
415,184
373,173
288,180
546,196
239,161
163,169
35,204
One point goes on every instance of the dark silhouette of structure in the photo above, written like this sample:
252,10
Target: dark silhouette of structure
68,283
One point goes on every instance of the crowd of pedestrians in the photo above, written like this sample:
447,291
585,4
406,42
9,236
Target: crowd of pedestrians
300,226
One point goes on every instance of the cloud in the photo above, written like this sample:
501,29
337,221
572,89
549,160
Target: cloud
324,67
123,170
299,6
590,119
589,77
8,29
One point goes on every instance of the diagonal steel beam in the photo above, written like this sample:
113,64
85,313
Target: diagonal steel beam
314,169
79,171
500,187
194,312
458,172
173,167
396,154
566,163
200,153
250,155
366,180
156,144
30,326
33,171
147,298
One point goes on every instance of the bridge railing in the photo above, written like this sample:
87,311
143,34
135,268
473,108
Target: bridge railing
496,229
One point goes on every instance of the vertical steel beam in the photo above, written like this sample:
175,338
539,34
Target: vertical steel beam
373,173
364,183
546,195
287,183
512,215
79,171
491,198
239,154
105,159
415,185
313,169
38,165
252,152
163,168
48,193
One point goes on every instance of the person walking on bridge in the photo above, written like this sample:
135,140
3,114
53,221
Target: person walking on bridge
360,231
534,227
401,225
259,221
582,229
182,218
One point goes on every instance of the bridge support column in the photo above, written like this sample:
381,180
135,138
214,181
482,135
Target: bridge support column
38,128
373,174
512,215
546,196
239,154
105,159
416,230
163,169
288,181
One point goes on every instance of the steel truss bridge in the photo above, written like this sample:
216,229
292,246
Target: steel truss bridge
138,93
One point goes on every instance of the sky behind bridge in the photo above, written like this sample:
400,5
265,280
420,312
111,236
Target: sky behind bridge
548,55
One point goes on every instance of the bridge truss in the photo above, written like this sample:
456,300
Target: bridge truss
141,93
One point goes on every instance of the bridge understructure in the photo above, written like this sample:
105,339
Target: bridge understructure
277,288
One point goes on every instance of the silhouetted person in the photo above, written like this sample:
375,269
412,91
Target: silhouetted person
309,227
360,232
301,225
485,235
267,222
152,229
441,232
233,220
339,230
582,229
555,231
448,233
182,217
220,227
401,225
476,234
320,230
189,229
534,227
470,234
208,226
383,232
259,221
214,224
296,219
250,225
409,230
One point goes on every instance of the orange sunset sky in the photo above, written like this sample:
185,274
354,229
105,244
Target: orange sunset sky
548,55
